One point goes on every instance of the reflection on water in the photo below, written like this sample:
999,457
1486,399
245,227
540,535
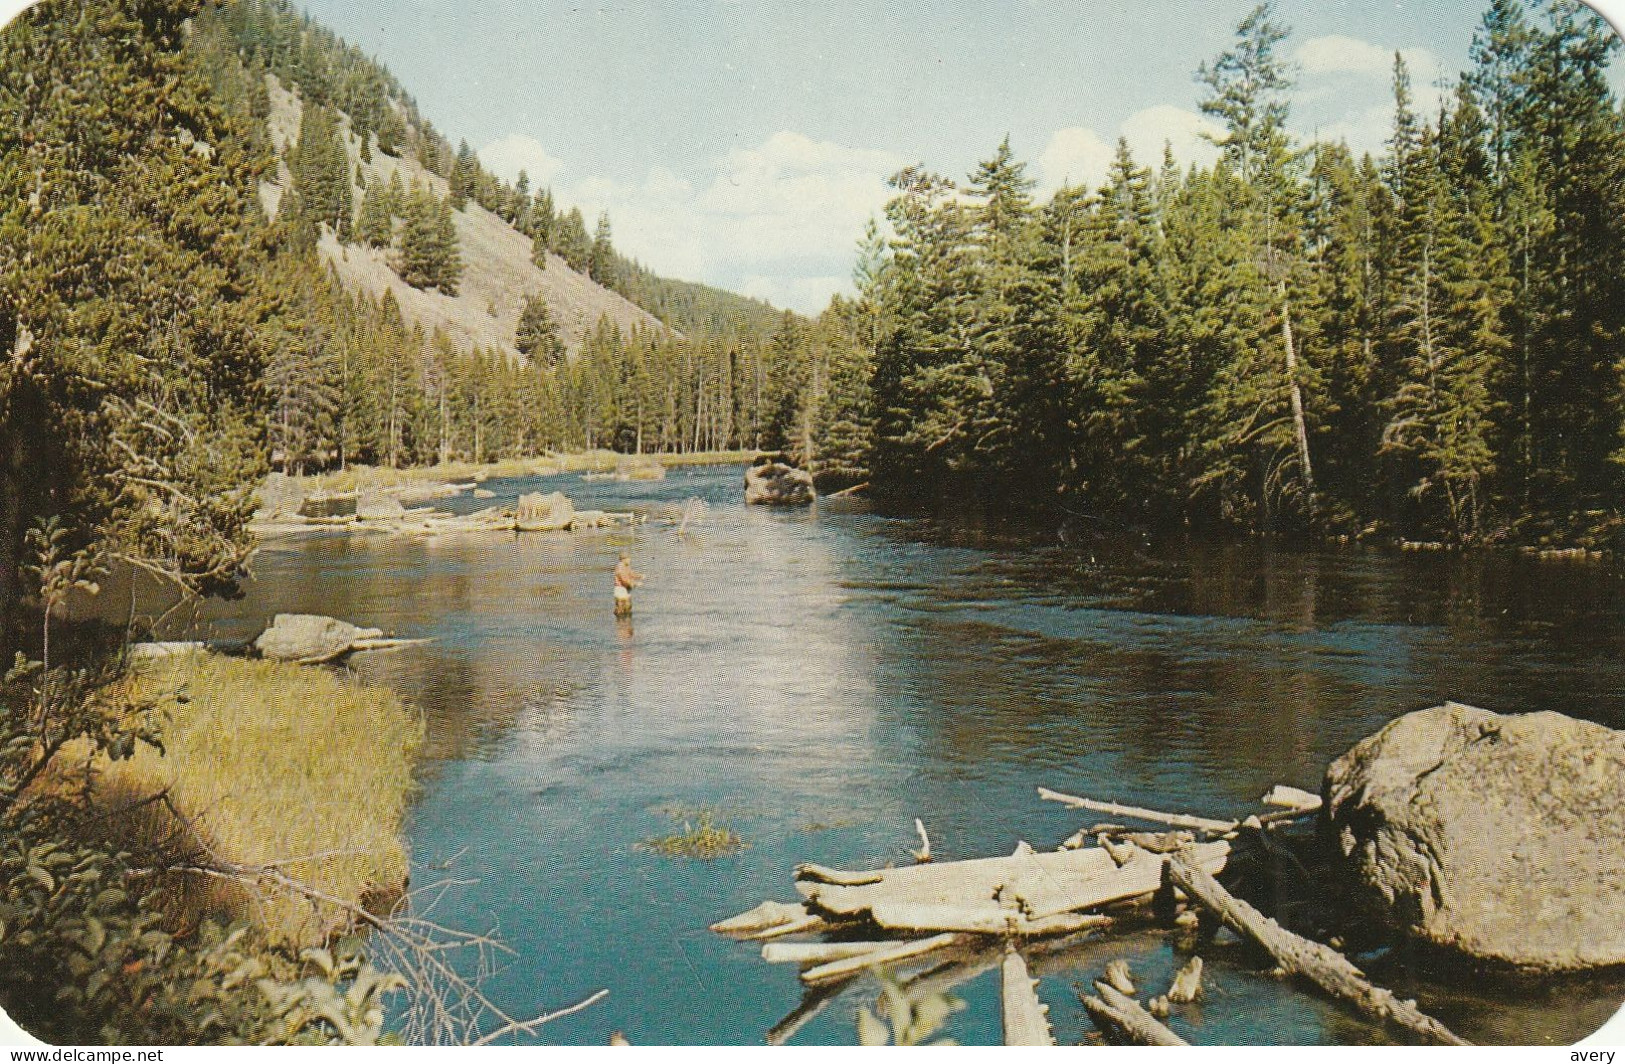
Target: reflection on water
822,678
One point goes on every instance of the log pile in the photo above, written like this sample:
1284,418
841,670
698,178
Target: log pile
950,921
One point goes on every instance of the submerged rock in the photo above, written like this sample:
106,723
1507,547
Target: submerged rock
310,637
1499,837
777,484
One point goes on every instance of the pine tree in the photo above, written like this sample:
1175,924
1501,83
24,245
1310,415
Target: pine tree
376,224
428,250
538,335
601,257
464,172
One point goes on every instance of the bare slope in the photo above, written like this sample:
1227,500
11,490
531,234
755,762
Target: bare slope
498,274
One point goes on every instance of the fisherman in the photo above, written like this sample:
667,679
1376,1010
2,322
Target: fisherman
626,578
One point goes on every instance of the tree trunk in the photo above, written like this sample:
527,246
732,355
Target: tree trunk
1300,427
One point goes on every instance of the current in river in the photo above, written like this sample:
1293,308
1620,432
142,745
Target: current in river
816,679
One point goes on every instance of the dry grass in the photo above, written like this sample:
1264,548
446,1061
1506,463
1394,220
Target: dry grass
279,765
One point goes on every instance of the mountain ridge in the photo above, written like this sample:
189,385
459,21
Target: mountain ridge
499,274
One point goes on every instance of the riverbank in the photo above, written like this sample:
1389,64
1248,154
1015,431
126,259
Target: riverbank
268,764
376,478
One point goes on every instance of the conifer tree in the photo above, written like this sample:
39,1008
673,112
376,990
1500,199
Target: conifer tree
375,227
538,335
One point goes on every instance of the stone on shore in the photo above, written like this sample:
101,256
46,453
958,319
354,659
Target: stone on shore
310,637
1501,838
777,484
164,649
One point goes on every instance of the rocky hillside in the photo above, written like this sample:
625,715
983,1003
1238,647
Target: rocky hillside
498,274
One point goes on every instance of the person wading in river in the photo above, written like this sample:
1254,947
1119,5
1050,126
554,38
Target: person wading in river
626,578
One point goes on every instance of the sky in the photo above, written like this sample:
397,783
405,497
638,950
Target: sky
745,143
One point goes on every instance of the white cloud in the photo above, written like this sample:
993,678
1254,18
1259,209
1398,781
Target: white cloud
1073,156
1148,131
777,220
1349,83
516,152
1080,156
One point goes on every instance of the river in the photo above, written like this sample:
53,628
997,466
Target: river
820,678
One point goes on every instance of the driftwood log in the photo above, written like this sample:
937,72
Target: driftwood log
1025,1019
818,952
1031,887
1320,965
889,954
1153,816
1121,1017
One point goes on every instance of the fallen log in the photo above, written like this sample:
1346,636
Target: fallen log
766,915
386,644
810,922
1292,798
1154,816
1120,1016
817,952
1040,885
1025,1022
889,955
985,920
1319,964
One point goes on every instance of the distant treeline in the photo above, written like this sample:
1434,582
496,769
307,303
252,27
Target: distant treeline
1425,344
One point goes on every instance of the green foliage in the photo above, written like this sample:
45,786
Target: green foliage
428,253
1292,340
86,954
538,334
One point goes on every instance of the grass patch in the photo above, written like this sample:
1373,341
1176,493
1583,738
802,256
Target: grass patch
702,838
281,765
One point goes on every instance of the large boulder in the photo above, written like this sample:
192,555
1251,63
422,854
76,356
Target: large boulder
545,513
376,506
777,484
1498,837
310,637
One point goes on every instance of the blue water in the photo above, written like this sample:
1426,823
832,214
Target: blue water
817,679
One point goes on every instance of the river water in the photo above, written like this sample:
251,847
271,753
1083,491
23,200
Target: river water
819,678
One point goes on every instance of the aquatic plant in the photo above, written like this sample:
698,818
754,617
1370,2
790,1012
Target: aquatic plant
701,838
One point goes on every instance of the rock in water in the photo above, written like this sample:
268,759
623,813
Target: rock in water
309,637
1500,837
777,484
545,513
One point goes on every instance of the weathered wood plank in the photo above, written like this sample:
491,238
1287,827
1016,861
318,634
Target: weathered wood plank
1314,962
1025,1019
